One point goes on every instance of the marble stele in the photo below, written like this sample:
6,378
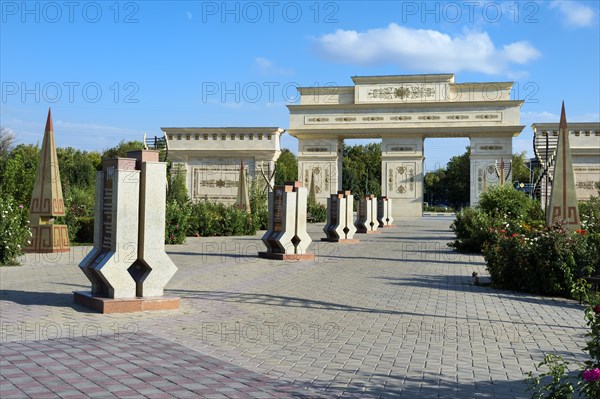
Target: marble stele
286,237
384,212
366,222
128,266
340,218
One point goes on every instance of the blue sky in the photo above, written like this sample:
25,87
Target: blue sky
116,70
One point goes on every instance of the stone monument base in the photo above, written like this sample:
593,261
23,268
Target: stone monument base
369,232
278,256
341,240
126,305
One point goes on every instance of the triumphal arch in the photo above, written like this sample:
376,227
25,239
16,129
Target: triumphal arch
402,111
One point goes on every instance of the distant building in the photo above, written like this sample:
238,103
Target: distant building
584,141
210,157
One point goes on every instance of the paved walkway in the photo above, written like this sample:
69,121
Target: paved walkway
393,316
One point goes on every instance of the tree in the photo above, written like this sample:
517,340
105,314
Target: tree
361,169
122,148
434,191
18,173
520,172
457,181
7,140
286,167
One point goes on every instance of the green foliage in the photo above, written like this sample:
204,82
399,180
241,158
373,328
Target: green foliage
316,212
77,168
589,213
211,219
259,204
177,218
557,382
79,209
450,184
551,384
519,171
457,180
122,148
472,230
177,190
286,167
498,205
18,173
533,259
361,169
14,230
506,203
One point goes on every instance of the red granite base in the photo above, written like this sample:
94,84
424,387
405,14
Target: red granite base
341,240
277,256
128,305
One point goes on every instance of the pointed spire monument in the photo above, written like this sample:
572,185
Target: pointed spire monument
47,200
563,199
243,198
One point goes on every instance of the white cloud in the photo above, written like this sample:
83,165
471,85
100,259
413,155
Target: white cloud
527,118
267,67
188,15
575,14
424,50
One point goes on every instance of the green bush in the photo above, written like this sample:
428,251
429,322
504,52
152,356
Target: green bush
85,230
589,213
14,230
472,230
542,260
509,204
317,211
211,219
497,206
177,217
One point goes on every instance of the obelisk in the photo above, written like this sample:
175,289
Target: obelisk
47,200
563,200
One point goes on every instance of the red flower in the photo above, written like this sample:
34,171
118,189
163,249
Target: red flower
581,232
502,231
514,235
597,309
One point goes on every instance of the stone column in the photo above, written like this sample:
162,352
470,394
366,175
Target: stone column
287,238
323,159
340,218
366,222
384,212
402,175
487,153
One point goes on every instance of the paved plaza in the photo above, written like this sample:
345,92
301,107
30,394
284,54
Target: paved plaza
394,316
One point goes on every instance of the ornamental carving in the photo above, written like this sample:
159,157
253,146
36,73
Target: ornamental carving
318,119
316,149
372,118
401,93
487,116
429,117
401,189
402,149
401,118
457,117
346,119
490,147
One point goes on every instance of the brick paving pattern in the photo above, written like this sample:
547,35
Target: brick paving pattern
392,316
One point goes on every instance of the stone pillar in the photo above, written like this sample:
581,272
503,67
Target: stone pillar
340,218
366,222
384,212
286,237
323,159
402,175
487,153
128,266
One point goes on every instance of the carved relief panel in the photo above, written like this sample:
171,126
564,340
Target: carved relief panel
402,179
